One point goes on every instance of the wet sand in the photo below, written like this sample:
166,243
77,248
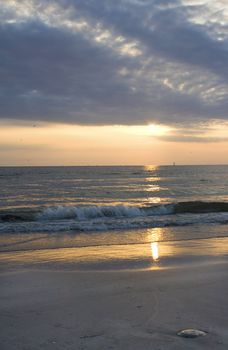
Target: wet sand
58,308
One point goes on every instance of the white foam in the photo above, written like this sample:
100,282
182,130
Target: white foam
112,223
92,212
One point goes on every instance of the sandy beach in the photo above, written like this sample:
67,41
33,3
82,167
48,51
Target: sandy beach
61,308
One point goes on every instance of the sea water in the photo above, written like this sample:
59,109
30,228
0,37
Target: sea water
111,205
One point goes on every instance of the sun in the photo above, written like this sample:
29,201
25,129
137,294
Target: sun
158,129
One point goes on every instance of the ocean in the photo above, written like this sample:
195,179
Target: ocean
53,207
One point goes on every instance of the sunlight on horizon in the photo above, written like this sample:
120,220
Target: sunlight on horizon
62,144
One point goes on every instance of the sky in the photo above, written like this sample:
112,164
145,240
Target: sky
94,82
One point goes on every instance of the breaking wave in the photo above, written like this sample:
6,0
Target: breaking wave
80,213
93,212
100,218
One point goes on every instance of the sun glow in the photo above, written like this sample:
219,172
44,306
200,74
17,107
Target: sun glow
158,130
39,143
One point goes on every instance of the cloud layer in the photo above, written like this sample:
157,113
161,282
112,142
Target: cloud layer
114,62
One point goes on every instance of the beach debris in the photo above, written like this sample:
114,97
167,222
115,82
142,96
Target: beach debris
86,336
191,333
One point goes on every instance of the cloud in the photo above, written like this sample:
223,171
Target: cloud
185,138
19,147
215,132
108,62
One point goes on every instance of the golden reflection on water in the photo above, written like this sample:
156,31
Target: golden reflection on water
152,184
150,167
154,200
155,234
152,188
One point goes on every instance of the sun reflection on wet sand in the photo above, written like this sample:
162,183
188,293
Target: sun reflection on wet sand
158,249
155,235
155,251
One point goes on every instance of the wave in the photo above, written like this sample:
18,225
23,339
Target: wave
110,224
93,212
82,213
200,207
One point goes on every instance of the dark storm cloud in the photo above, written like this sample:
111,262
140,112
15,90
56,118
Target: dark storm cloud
52,72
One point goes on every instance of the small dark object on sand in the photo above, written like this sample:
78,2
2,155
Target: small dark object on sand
191,333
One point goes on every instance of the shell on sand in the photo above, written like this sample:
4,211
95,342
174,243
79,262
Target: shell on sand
191,333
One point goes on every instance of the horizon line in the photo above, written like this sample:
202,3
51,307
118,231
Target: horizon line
111,165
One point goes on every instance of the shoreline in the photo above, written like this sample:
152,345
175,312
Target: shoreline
68,239
152,255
